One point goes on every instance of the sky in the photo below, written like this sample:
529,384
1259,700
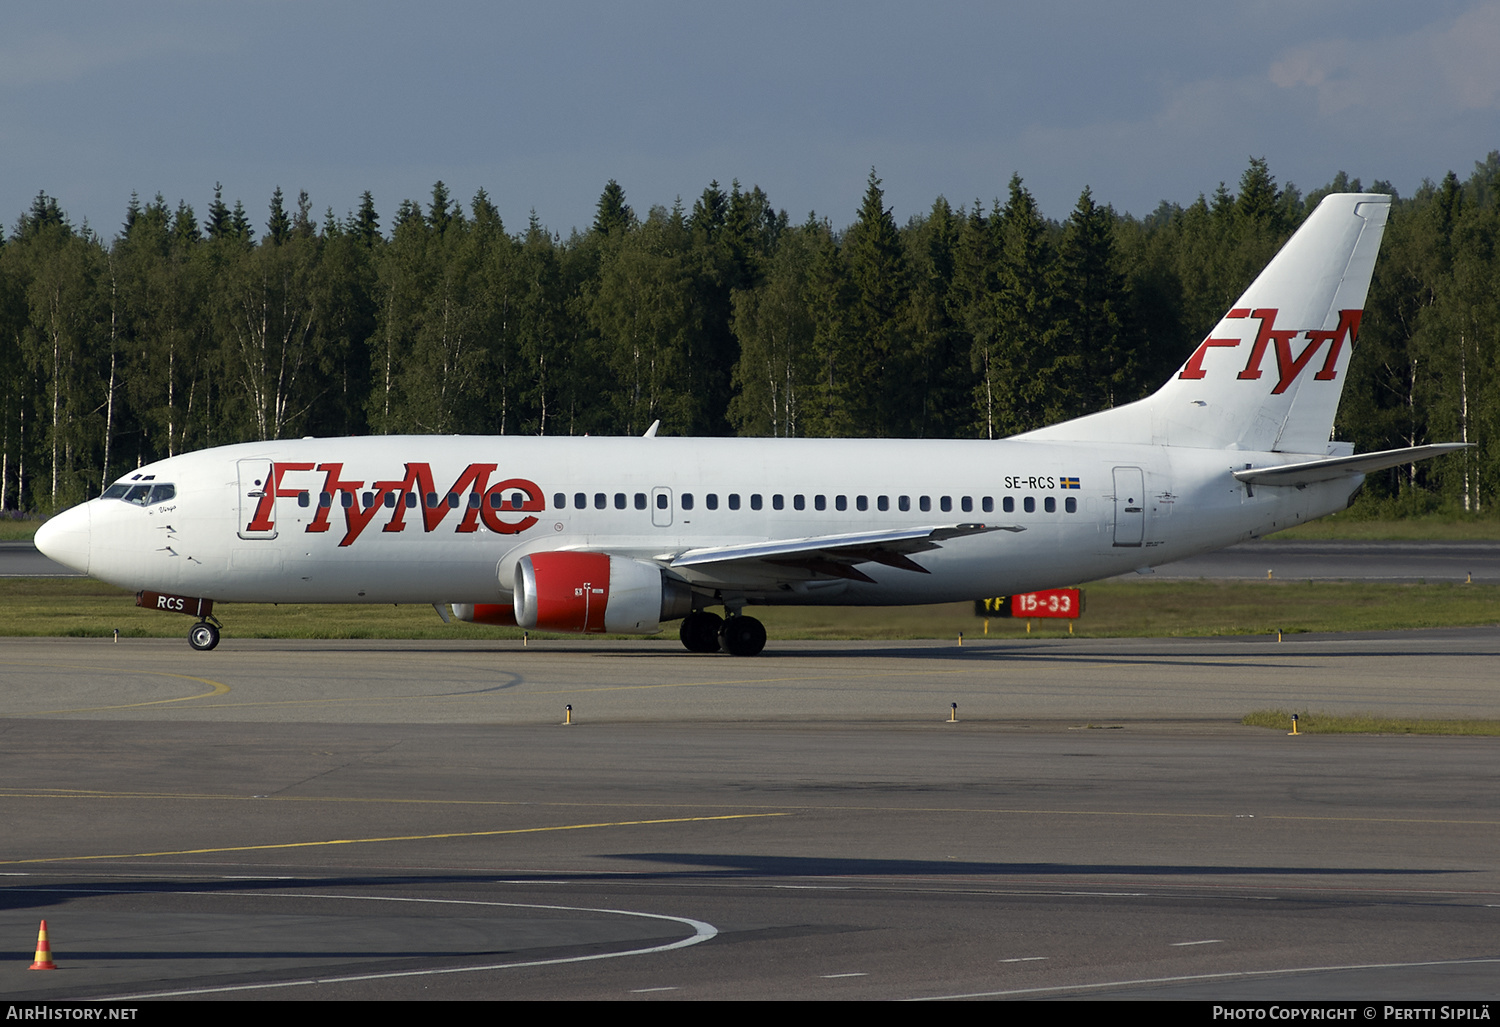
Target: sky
541,104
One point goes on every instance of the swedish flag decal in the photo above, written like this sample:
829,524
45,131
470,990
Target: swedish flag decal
1070,483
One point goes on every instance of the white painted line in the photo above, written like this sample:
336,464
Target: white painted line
701,932
1207,941
645,991
1022,959
829,977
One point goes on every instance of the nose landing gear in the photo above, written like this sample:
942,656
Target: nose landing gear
204,635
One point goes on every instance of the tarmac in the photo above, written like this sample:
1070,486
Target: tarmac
405,820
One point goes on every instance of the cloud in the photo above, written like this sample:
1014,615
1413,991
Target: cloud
48,57
1437,70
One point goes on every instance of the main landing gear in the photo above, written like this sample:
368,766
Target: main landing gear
738,635
700,631
203,636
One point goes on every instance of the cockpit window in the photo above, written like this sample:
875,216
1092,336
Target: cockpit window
142,494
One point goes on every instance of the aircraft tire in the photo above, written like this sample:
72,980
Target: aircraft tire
742,636
700,632
203,636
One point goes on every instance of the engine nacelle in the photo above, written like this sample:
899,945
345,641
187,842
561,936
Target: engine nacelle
593,593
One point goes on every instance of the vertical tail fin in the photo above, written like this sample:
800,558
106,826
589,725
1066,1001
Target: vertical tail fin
1269,376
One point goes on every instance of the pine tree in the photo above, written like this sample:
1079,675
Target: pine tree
1090,304
613,213
218,225
879,278
279,227
366,223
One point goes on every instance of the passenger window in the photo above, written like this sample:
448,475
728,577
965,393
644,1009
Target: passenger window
369,500
1071,504
734,500
389,500
580,500
841,502
883,503
453,500
903,504
1010,504
925,503
711,500
619,500
1030,504
560,500
799,502
686,499
966,504
1050,504
411,500
640,500
432,500
661,500
755,500
820,503
346,499
946,504
600,500
777,502
988,504
861,502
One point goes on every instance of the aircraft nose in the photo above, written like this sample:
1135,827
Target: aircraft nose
65,538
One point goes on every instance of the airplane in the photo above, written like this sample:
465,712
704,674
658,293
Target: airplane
610,534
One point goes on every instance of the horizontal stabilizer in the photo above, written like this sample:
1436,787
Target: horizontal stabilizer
1343,466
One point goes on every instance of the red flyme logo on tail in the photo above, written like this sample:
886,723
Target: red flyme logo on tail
1288,365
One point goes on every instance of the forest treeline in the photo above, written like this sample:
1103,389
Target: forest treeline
976,321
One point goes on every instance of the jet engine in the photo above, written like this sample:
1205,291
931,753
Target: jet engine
596,592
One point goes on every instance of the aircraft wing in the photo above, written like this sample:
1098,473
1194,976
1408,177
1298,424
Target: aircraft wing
1342,466
831,556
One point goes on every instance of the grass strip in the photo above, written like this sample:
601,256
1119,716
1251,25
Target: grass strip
1319,723
81,607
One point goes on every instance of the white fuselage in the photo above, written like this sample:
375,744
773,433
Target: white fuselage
340,527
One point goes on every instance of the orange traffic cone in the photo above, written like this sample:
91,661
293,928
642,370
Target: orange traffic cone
43,951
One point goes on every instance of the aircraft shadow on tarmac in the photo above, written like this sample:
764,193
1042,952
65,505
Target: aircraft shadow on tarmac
695,866
815,866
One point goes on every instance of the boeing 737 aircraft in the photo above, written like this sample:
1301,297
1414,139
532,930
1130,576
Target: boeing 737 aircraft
621,534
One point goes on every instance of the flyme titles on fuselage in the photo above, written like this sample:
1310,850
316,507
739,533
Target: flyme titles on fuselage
507,507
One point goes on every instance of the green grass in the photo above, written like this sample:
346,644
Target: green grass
19,529
86,608
1367,724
